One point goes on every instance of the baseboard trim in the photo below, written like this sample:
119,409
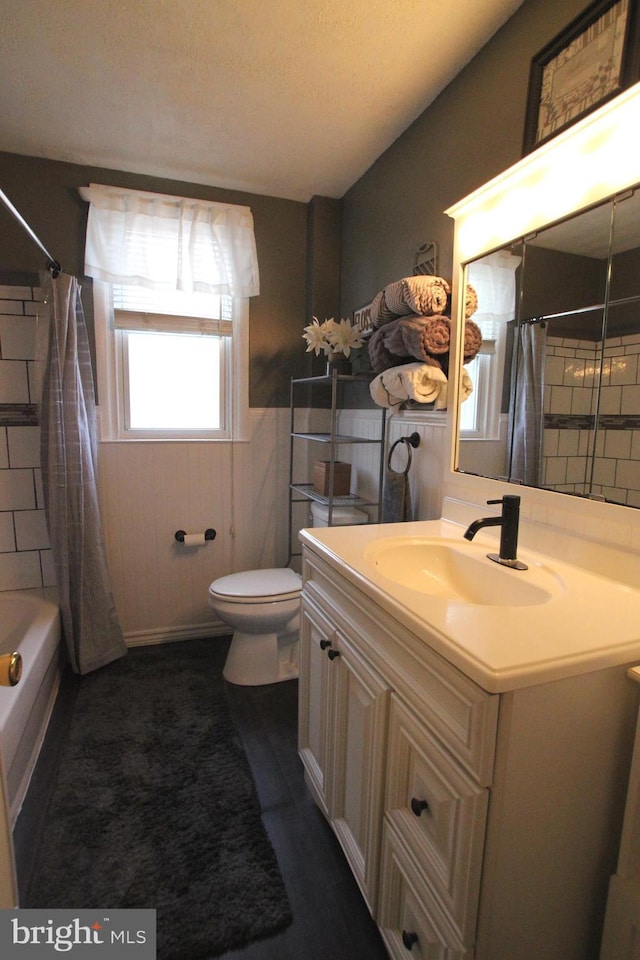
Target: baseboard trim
193,631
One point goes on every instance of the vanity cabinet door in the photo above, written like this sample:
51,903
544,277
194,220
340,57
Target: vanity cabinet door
343,706
314,714
441,814
359,727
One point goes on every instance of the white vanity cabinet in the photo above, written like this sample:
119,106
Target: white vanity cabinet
478,825
398,749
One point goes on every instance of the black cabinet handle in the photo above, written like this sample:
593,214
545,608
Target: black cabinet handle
324,644
409,938
417,806
332,654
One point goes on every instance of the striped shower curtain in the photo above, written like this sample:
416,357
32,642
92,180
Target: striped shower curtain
526,421
68,450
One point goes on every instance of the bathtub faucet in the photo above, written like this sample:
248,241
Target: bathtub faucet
508,523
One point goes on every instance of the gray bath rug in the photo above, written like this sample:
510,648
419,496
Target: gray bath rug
155,806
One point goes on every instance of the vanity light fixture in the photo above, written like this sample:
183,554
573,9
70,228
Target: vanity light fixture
582,166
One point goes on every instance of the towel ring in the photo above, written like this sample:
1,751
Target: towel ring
411,441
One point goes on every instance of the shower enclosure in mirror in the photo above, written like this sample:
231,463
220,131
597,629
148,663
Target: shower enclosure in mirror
557,384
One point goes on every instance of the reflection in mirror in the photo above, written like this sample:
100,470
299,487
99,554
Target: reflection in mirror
557,395
616,470
483,422
559,337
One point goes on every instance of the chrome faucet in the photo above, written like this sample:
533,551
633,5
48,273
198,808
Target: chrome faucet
508,523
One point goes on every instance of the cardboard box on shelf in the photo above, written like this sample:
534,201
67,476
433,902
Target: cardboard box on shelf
341,478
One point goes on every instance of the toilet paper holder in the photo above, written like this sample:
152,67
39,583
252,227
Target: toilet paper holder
209,534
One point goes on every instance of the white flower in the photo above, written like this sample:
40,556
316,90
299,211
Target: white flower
331,337
315,335
343,337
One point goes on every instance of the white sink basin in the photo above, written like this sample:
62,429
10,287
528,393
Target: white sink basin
459,573
503,628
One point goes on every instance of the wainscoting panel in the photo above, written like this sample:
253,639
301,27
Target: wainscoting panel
149,490
428,460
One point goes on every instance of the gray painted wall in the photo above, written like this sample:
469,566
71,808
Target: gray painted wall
470,134
46,194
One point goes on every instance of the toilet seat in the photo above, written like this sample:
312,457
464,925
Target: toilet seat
258,586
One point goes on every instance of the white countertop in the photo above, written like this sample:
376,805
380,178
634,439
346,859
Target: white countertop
590,621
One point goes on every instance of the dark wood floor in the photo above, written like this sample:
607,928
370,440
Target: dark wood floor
330,919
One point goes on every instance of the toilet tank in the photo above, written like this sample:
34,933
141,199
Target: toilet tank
340,516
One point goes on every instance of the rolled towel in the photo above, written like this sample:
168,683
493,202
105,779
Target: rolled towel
418,382
435,335
410,338
421,295
410,381
378,313
472,341
380,356
430,338
470,302
427,339
466,385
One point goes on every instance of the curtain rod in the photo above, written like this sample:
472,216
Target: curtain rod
53,265
620,301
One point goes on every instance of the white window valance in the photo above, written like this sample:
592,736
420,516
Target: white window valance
170,243
493,279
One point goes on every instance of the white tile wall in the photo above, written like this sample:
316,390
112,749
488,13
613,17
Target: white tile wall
14,381
25,557
571,370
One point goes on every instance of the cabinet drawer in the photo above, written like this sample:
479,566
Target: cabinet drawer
409,917
440,812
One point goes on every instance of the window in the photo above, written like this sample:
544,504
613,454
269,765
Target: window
493,278
155,399
170,376
172,354
478,418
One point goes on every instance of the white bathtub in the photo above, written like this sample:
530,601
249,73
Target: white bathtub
29,624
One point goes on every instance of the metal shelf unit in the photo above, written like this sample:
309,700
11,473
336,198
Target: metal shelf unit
302,490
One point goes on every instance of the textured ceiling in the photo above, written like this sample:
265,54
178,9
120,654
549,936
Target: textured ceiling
287,98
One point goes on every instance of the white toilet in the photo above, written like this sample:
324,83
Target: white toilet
263,607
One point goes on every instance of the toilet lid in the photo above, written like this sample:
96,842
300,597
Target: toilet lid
259,585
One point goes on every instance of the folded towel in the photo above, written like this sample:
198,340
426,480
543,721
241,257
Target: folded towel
422,295
396,498
418,382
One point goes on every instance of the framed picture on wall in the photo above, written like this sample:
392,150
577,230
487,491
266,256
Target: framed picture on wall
595,58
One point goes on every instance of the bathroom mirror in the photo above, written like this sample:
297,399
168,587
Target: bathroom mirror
556,402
